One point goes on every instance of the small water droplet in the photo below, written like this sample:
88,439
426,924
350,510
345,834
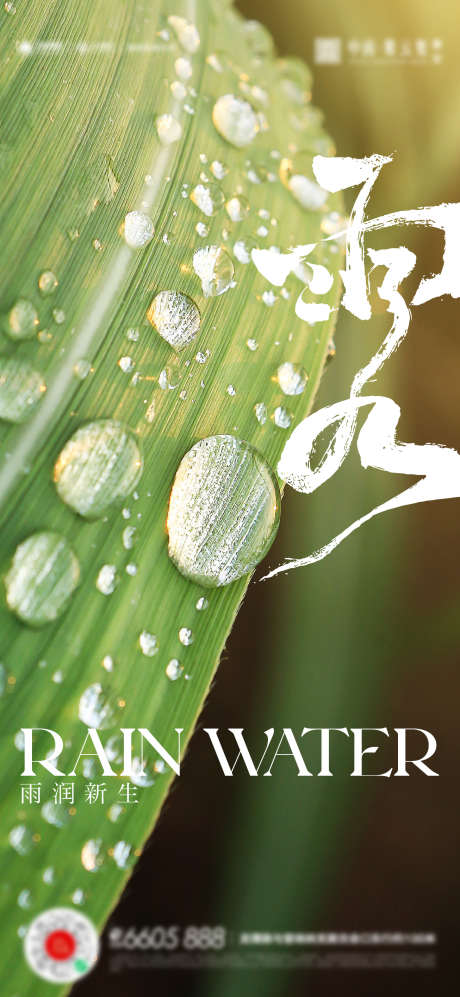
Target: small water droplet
186,33
122,854
236,120
114,812
59,315
243,248
78,898
47,283
297,175
21,839
295,80
183,67
231,390
148,643
107,662
292,378
128,537
81,369
21,388
173,669
92,856
138,229
282,418
55,814
21,322
106,580
98,467
43,574
201,229
214,267
252,345
169,129
25,899
260,410
140,775
202,603
237,208
331,350
178,90
223,512
96,708
185,636
208,198
175,317
48,875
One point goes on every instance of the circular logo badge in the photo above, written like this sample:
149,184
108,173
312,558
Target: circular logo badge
61,945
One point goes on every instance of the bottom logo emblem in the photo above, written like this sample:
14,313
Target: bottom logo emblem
61,945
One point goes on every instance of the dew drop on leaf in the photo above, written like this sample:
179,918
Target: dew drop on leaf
237,208
92,856
282,418
21,322
21,839
148,643
98,468
96,708
297,175
55,814
186,33
21,388
43,574
236,120
175,317
47,283
169,129
224,511
173,669
185,636
292,378
138,229
214,267
208,198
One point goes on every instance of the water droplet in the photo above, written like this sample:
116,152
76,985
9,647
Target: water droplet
169,129
21,388
48,875
295,80
114,812
269,298
219,169
186,33
148,643
201,229
128,537
202,604
292,378
185,636
59,315
297,175
178,90
96,708
231,390
183,68
9,7
21,839
126,364
258,38
236,120
140,775
21,321
175,317
213,266
260,410
252,345
81,369
173,669
47,283
282,418
237,208
138,229
223,512
92,856
78,898
98,468
106,580
25,899
331,350
55,814
243,248
43,574
107,662
208,198
122,854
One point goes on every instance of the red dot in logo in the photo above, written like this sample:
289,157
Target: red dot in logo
60,945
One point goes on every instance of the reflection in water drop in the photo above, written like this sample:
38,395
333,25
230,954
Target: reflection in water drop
235,119
98,467
176,317
21,388
224,511
43,574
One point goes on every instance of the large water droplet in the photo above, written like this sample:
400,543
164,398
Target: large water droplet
138,229
148,643
122,854
173,670
21,321
214,267
21,387
236,120
224,511
96,708
98,468
43,574
92,855
208,198
297,175
176,317
292,378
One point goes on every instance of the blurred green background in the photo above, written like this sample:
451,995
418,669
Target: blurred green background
368,637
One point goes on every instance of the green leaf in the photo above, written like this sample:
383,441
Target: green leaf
82,88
